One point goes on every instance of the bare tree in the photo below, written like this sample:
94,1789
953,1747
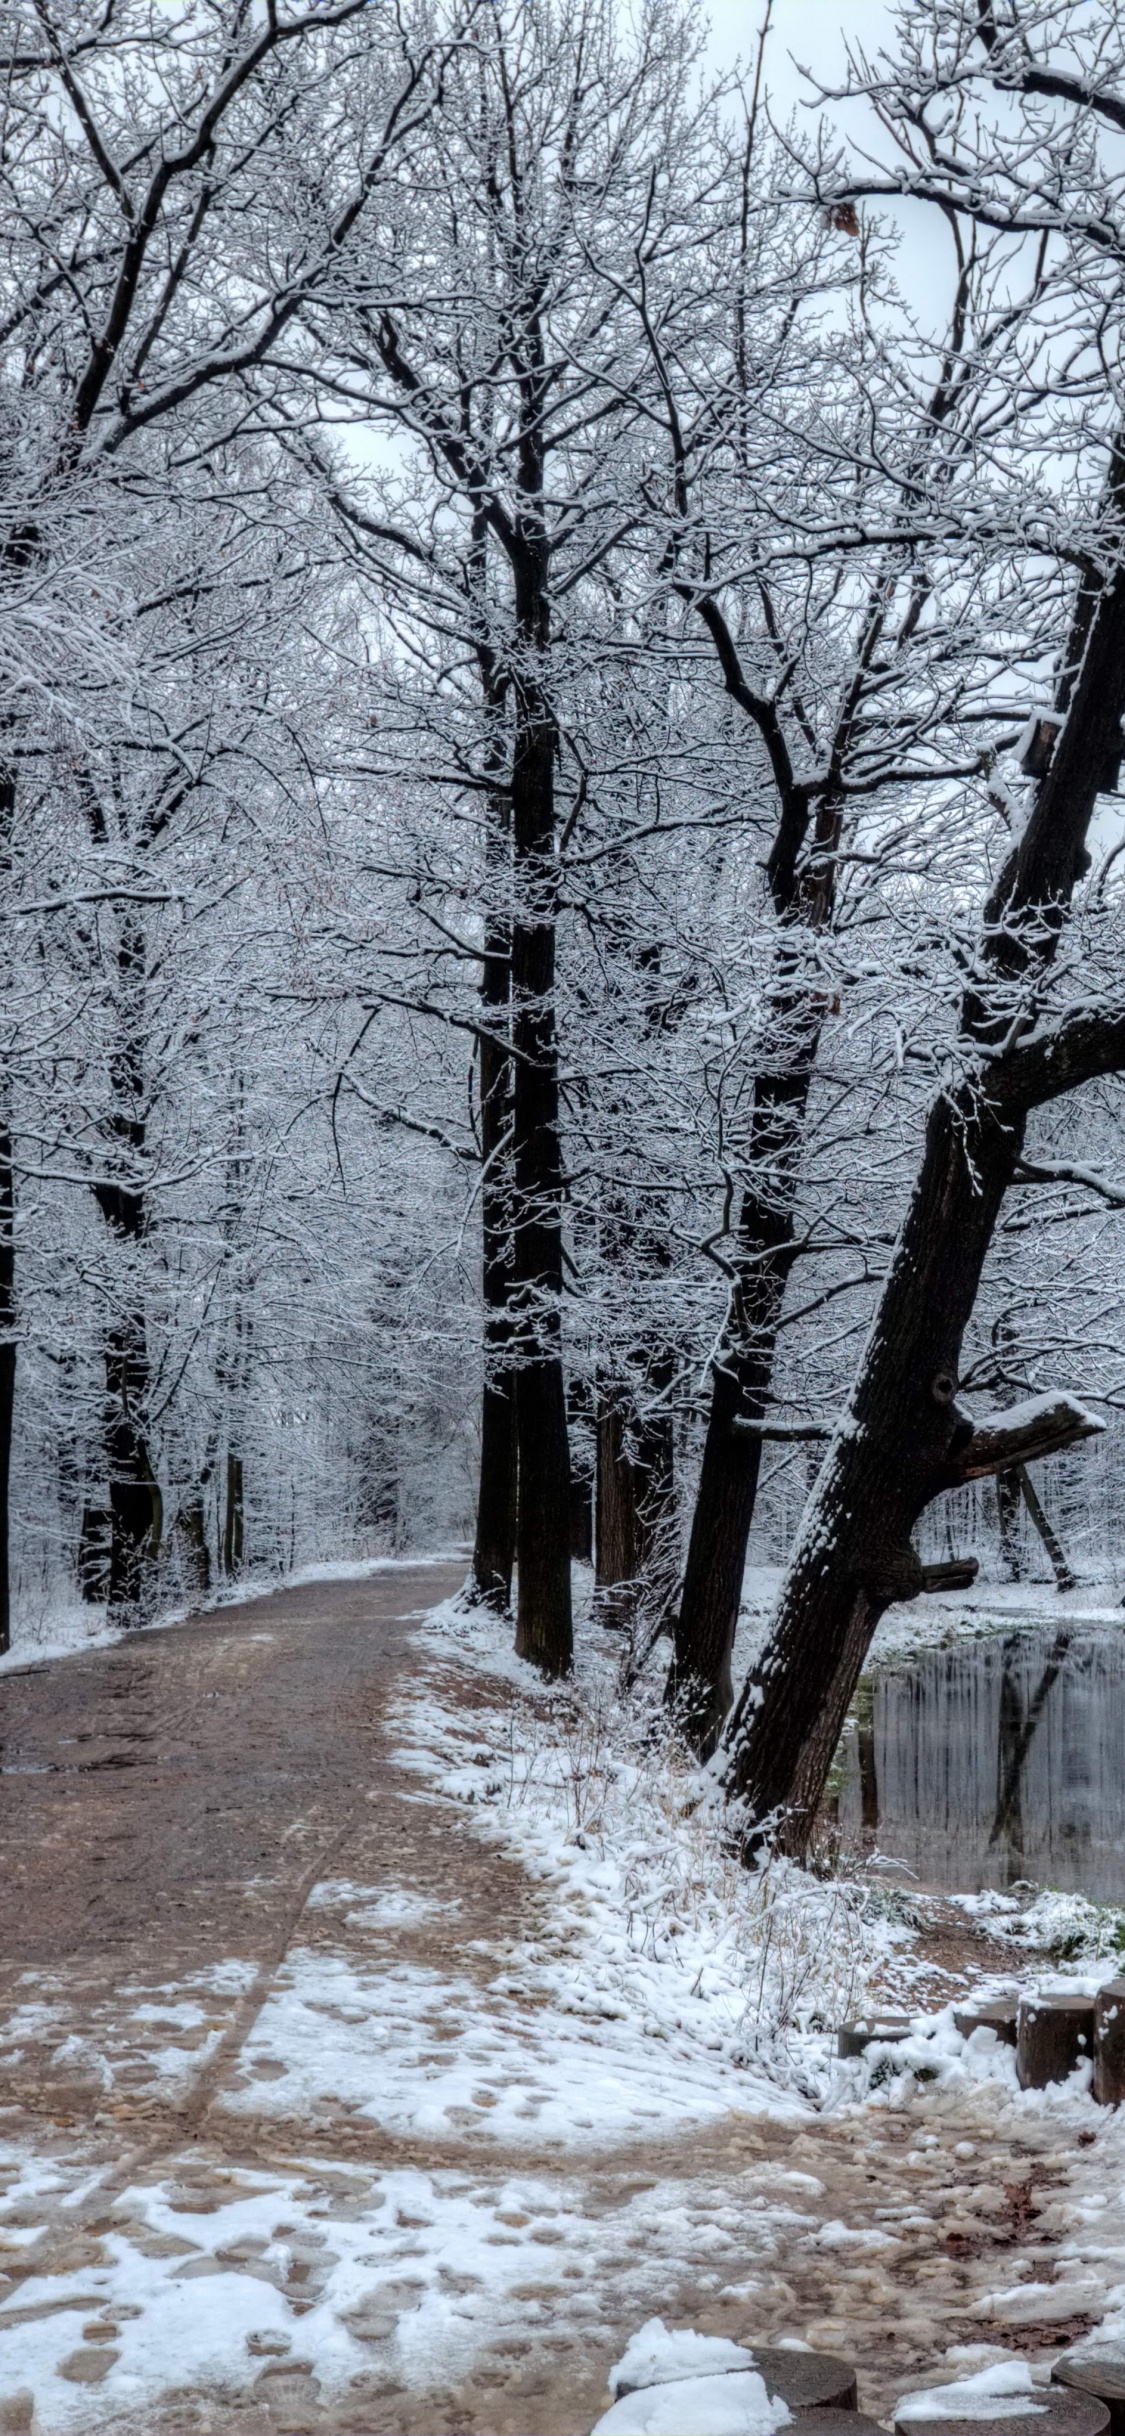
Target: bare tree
1037,1020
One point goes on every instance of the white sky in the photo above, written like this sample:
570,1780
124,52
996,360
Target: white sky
807,31
812,34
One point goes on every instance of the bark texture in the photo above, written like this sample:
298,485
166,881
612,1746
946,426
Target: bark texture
635,1563
699,1682
494,1545
543,1617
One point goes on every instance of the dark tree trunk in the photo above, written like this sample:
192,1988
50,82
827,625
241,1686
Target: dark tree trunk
93,1554
7,1376
135,1512
699,1683
635,1562
493,1548
615,1560
135,1509
232,1522
191,1525
1056,1553
494,1545
1008,1503
890,1457
544,1632
581,1433
7,1266
902,1440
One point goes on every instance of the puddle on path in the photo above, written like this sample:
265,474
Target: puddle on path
1000,1760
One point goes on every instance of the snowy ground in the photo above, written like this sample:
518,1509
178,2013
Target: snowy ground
538,2063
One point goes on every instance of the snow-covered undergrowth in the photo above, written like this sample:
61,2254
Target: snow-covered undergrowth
1047,1920
657,1921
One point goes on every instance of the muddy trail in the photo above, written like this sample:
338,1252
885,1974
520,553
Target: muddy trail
219,1876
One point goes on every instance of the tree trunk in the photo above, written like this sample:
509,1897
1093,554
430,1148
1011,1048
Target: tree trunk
544,1630
699,1682
7,1265
232,1525
134,1506
191,1525
889,1458
134,1497
902,1440
7,1376
493,1548
1056,1553
615,1562
581,1434
636,1517
1008,1502
93,1554
494,1545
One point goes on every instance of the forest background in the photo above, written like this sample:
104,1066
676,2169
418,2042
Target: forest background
560,644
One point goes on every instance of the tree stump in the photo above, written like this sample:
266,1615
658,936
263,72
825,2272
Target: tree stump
808,2380
805,2380
832,2423
1109,2043
690,2406
1051,2411
1053,2033
1000,2016
853,2038
1099,2369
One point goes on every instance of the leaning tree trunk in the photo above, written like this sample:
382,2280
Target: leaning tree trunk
902,1440
892,1454
544,1630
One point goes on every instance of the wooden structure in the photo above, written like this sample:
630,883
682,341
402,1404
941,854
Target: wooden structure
1053,2034
877,2030
1051,2411
1109,2045
998,2015
1098,2369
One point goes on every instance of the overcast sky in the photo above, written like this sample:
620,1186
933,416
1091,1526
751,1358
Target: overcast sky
811,34
808,32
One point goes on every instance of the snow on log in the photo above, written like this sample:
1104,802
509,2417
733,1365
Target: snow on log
1022,1433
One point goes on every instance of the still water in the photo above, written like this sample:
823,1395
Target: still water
998,1760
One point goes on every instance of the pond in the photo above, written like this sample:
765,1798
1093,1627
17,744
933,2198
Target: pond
998,1760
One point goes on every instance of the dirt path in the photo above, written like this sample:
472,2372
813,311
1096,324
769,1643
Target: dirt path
260,2035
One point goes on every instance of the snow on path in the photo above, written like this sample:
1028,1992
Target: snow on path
450,2173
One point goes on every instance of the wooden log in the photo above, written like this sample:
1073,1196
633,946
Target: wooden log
853,2038
1099,2369
808,2380
1051,2411
999,2015
805,2380
1109,2043
1053,2033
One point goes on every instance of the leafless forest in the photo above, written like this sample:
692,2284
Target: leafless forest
561,880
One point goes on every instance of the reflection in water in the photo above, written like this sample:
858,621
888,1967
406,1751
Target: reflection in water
1001,1760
